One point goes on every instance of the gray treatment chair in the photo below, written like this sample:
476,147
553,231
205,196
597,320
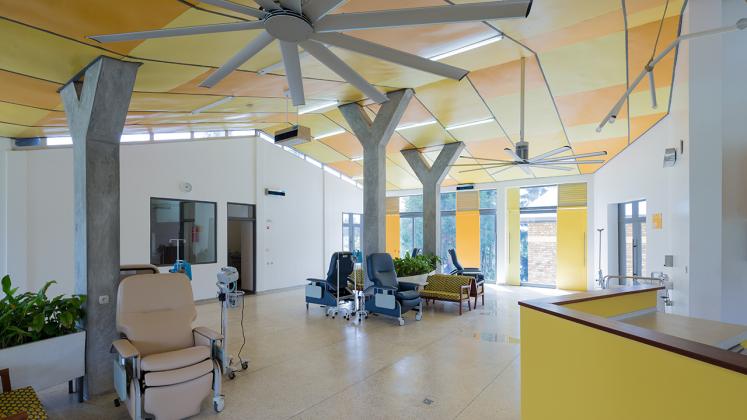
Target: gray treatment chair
390,297
164,367
478,287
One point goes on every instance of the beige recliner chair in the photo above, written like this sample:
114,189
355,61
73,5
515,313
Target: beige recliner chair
164,367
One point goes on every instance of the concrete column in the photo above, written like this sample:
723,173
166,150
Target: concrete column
374,136
96,102
431,177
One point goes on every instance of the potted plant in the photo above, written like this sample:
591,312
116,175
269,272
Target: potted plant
416,269
40,338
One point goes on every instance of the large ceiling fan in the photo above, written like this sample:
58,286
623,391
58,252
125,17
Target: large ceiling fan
309,24
520,156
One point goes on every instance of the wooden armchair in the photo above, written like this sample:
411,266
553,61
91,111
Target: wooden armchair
19,404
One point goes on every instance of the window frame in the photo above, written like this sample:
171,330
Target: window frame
350,226
635,220
181,222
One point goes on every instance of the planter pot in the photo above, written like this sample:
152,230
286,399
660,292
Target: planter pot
46,363
420,279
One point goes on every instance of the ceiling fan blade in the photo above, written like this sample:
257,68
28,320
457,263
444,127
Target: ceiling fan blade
479,169
470,12
582,155
489,160
317,9
189,30
267,4
391,55
294,5
527,170
513,154
550,153
256,45
229,5
498,171
292,64
557,168
326,57
483,164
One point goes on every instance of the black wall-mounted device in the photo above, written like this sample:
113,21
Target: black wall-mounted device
280,193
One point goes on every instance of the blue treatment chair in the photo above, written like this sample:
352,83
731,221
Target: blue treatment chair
390,297
415,252
325,291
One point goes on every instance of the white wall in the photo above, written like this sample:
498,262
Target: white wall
40,208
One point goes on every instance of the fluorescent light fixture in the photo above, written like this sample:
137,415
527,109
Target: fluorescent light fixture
469,124
127,138
208,134
356,159
469,47
330,134
317,107
59,141
172,136
212,105
416,125
241,133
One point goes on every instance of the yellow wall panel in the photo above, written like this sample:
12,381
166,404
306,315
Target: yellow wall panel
561,360
571,256
468,237
392,234
513,229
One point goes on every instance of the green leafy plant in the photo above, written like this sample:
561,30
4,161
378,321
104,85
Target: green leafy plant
413,266
29,317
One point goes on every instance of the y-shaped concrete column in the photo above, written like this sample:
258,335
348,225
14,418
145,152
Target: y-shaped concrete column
374,136
431,177
96,102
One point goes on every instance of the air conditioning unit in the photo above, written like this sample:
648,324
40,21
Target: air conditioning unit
293,136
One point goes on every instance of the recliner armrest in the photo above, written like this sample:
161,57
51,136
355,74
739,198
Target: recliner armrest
125,349
403,285
472,270
316,280
208,333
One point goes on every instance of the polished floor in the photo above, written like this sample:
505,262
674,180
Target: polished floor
305,366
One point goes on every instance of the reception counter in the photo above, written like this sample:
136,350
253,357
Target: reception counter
609,354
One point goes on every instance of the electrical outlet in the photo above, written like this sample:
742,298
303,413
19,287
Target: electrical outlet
103,299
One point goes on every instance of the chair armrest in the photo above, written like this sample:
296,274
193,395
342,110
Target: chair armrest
382,289
206,337
454,271
403,285
472,270
125,349
316,280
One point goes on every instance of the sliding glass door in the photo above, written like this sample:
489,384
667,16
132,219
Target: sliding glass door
538,235
632,238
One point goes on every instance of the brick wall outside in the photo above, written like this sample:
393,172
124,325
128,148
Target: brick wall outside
542,242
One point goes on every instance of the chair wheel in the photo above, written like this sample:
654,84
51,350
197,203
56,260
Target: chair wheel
117,403
231,375
401,322
244,365
218,404
418,317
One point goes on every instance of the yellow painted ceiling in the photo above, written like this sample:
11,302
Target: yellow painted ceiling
579,54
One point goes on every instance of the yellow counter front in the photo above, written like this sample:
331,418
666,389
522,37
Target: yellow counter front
609,355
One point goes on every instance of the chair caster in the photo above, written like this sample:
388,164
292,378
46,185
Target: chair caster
231,375
244,365
401,322
419,316
117,403
219,403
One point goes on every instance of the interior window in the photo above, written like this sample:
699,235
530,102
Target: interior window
632,238
182,229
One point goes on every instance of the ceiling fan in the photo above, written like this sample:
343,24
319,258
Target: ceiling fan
520,156
309,24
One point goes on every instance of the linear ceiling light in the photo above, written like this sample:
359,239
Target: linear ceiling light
212,105
416,125
469,47
317,107
648,69
469,124
330,134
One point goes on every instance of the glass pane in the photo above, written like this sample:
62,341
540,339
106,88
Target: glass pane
345,238
448,241
643,247
539,244
628,249
405,236
192,223
172,136
448,201
546,196
240,211
357,219
419,232
628,209
488,199
487,246
356,238
345,218
642,208
411,203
